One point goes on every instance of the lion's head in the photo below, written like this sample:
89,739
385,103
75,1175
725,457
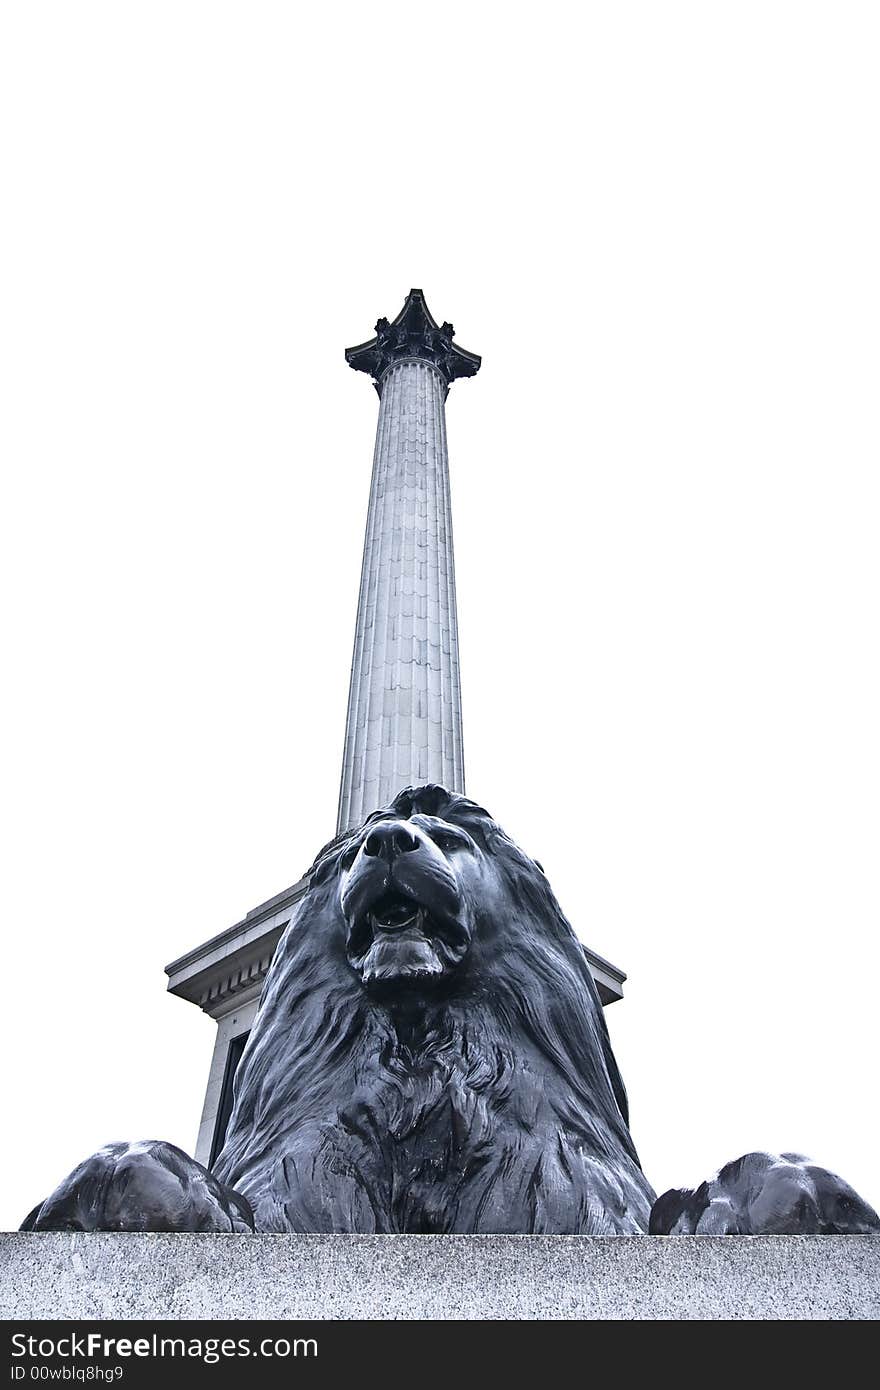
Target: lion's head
429,998
414,884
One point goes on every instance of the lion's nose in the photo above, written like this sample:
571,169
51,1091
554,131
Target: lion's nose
388,839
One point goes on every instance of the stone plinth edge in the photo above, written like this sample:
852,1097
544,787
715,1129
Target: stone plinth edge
437,1277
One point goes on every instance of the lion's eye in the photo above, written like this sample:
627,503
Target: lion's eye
349,857
450,839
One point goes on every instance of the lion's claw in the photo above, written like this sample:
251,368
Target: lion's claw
765,1194
148,1186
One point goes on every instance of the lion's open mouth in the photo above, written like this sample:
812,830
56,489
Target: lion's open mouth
395,912
396,940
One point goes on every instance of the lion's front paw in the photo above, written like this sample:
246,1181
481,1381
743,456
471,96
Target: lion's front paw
149,1186
766,1194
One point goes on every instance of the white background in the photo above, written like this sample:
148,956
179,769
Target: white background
659,224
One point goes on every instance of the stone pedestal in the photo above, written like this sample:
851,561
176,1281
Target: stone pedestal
438,1277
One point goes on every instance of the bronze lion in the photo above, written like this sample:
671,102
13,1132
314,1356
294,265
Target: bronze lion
430,1055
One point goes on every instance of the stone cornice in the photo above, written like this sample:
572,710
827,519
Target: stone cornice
233,964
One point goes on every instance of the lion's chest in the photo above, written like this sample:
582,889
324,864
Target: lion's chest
417,1148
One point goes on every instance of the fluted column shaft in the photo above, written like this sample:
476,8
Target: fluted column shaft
404,709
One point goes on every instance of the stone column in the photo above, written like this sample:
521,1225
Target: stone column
404,709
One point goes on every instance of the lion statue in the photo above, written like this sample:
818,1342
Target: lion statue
430,1055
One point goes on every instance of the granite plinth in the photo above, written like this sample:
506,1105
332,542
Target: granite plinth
437,1277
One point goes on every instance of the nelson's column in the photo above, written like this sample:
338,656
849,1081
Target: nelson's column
403,725
404,707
